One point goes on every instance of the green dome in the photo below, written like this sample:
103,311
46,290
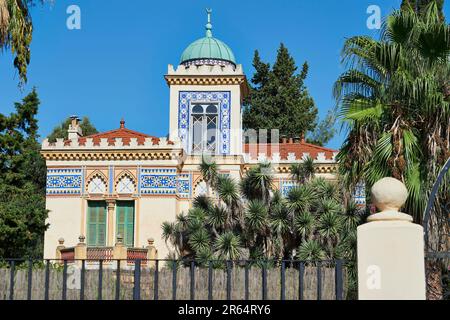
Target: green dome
207,50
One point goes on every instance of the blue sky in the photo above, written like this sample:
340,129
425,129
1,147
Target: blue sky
114,66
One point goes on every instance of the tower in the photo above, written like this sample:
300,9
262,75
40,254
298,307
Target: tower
206,93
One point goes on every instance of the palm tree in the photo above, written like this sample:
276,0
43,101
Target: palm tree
392,98
303,171
258,182
209,172
16,30
394,101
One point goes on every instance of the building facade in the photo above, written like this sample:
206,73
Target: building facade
123,183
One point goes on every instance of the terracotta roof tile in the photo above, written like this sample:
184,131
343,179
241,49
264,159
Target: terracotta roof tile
298,148
112,135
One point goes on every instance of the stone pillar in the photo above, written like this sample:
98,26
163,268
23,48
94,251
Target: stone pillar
80,250
391,262
152,253
59,248
111,205
119,250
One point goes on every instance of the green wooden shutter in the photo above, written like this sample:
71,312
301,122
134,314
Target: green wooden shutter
101,226
125,221
96,223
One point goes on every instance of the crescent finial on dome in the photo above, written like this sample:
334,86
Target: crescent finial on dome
209,25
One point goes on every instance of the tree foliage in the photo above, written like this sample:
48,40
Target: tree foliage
16,29
395,101
252,220
324,131
60,131
278,98
22,182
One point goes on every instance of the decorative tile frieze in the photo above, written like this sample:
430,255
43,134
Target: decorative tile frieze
287,186
223,98
184,182
64,181
158,181
359,194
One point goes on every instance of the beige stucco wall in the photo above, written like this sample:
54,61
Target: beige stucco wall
153,211
65,222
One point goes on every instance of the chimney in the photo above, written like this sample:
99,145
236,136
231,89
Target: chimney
74,131
302,138
291,140
283,139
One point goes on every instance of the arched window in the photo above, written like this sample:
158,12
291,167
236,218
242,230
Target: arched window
125,185
204,118
97,185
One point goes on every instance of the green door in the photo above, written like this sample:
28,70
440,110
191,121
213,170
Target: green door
96,223
125,221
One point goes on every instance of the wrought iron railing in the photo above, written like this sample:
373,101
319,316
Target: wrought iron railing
173,279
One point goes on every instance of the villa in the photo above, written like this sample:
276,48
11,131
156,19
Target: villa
126,183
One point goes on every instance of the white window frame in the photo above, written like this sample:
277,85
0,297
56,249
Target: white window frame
204,116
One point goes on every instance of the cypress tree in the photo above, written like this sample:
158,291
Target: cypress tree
22,182
279,98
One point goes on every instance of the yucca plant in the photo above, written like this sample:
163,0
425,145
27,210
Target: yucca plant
199,240
228,246
301,198
310,251
305,225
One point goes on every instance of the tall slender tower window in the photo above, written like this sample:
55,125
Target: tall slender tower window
204,118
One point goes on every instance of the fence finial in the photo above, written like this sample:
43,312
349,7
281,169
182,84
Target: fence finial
389,195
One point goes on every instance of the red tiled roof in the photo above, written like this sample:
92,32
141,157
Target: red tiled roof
112,135
298,148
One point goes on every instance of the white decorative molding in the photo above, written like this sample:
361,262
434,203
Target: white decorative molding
276,157
321,157
291,156
103,142
59,143
305,155
119,142
334,155
133,142
89,142
163,141
262,157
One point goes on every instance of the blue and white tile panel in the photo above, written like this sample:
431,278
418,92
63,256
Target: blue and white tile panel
359,194
286,186
223,98
66,181
164,181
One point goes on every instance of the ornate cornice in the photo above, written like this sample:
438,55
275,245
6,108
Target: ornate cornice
93,155
205,79
319,168
208,80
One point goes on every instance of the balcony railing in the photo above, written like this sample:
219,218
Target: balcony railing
100,253
105,255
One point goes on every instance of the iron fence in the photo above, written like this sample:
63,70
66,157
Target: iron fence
73,279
